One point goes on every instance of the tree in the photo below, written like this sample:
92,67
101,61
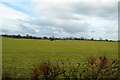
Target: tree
45,37
82,38
27,36
100,39
106,39
92,38
52,38
19,36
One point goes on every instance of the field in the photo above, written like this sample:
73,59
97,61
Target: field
20,55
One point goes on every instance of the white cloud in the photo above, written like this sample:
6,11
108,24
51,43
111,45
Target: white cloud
95,18
78,16
62,16
9,17
102,1
6,12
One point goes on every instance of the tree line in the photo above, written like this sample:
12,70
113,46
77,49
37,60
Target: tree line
51,38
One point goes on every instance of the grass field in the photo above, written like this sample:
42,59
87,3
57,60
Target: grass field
19,55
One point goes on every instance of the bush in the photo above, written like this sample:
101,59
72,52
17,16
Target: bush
93,69
46,71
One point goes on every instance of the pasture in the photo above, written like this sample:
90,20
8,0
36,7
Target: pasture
20,55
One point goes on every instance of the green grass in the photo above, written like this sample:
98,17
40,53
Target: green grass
19,55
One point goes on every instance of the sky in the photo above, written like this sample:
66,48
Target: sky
60,18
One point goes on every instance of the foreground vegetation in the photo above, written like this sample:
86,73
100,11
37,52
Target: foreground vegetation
94,69
20,55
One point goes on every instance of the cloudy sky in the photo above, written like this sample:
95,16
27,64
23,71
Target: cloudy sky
61,18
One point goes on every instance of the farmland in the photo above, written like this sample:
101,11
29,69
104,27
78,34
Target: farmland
19,55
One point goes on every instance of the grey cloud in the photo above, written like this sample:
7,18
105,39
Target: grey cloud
5,31
70,19
74,26
26,29
22,30
68,10
70,26
38,28
108,10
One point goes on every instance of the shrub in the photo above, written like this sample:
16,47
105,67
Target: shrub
94,69
46,71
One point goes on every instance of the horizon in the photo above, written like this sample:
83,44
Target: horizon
96,19
69,38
